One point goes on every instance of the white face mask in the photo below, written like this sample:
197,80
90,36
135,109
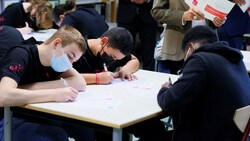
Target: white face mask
190,48
187,54
61,63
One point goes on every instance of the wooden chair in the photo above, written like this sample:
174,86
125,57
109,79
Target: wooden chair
242,120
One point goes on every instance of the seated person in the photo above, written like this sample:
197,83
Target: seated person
112,48
30,73
213,84
28,16
86,20
9,36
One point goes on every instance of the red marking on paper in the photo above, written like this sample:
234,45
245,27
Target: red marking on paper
195,2
215,12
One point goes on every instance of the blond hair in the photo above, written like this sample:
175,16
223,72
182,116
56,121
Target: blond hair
43,13
44,18
68,35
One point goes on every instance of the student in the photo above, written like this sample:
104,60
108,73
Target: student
28,16
86,20
9,36
112,48
31,73
213,84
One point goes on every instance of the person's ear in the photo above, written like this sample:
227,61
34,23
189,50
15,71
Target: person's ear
104,41
56,42
61,17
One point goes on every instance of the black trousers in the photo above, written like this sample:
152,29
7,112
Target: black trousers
147,35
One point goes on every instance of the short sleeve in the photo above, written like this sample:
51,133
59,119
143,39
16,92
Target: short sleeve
14,63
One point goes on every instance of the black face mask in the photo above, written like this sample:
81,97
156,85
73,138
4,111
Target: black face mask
108,60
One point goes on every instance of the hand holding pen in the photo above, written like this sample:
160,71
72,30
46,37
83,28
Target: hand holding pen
105,77
67,94
168,84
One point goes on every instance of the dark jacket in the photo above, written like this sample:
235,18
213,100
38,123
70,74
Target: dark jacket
87,21
237,22
127,11
213,84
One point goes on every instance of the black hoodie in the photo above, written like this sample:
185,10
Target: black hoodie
213,84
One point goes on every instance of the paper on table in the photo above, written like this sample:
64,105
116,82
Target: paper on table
139,87
212,8
99,100
245,6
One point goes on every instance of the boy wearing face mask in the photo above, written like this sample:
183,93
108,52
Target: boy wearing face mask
112,50
213,84
32,73
109,57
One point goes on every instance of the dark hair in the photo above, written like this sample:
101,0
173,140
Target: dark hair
120,38
62,9
201,34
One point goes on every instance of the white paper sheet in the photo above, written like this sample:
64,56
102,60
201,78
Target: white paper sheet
245,6
103,100
212,8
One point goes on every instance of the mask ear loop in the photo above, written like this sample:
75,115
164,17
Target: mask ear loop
103,47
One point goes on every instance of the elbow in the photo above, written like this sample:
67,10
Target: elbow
3,99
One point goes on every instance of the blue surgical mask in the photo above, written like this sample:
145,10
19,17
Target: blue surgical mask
61,63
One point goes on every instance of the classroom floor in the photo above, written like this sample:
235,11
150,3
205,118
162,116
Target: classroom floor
134,138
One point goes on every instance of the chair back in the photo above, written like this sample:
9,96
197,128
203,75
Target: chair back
242,120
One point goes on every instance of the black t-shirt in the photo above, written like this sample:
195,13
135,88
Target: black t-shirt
87,21
15,16
22,64
89,63
9,36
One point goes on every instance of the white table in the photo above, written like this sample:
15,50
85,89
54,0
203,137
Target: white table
116,106
246,59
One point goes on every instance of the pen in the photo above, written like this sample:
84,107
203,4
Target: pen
105,67
64,82
170,81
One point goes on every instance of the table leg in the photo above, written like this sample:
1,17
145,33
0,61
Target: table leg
7,123
117,134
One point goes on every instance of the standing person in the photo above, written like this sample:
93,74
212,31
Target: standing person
236,25
28,16
179,18
134,15
31,73
86,20
213,84
114,49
